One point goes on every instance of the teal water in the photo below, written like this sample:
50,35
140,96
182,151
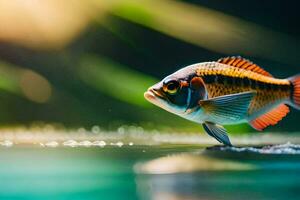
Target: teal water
174,172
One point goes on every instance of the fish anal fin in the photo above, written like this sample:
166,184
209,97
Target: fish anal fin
270,118
243,63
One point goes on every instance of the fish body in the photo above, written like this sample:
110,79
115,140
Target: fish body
221,79
231,90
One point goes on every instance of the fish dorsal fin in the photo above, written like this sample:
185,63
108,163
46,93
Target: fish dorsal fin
270,118
243,64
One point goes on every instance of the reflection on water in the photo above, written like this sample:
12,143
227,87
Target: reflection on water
278,184
189,163
223,173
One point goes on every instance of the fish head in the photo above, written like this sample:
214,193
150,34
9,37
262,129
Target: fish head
178,93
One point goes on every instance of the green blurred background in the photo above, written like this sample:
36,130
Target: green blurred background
83,63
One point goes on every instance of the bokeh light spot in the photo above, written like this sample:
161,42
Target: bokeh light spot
35,87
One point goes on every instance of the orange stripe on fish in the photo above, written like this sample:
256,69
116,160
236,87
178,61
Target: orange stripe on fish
212,68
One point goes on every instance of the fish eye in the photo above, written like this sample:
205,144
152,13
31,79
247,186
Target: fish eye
171,86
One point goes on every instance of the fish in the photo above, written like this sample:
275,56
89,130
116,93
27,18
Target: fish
231,90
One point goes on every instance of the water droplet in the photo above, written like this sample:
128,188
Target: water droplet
85,143
52,144
119,144
121,130
70,143
99,143
81,130
7,143
95,129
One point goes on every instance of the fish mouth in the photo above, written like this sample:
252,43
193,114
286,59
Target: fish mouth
154,96
159,99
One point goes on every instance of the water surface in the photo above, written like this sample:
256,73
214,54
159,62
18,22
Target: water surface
136,164
147,172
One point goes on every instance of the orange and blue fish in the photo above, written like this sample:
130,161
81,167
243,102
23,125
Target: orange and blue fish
232,90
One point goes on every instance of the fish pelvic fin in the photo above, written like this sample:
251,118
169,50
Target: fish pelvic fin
218,132
226,108
295,91
270,118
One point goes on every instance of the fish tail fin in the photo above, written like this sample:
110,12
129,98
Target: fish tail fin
295,91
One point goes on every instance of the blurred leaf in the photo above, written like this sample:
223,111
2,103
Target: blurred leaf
24,82
9,79
208,28
115,80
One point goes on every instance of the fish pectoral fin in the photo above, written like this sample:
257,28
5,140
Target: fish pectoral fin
218,132
232,107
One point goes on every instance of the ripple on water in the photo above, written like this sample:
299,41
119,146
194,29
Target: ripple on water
287,148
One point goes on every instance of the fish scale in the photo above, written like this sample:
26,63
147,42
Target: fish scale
274,92
261,99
